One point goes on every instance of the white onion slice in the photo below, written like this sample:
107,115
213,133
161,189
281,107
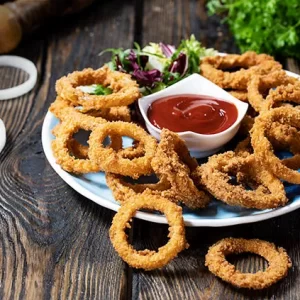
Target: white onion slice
23,64
2,135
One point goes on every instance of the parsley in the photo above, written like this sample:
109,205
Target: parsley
95,89
264,26
101,90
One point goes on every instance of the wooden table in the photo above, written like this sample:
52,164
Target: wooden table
53,242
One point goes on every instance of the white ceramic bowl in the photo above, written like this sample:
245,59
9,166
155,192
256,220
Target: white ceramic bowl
200,145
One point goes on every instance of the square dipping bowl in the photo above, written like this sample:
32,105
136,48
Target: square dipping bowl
199,145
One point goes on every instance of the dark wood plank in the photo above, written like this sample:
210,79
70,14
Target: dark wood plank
54,243
186,277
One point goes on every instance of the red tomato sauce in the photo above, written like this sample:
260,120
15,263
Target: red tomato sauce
197,113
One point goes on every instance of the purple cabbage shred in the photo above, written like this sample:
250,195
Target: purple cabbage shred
180,64
167,50
147,78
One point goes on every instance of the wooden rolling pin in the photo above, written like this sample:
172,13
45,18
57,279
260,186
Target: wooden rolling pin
22,17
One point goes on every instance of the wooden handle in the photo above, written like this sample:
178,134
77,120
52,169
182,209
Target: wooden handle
10,30
21,17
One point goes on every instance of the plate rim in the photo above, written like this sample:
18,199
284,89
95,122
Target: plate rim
69,179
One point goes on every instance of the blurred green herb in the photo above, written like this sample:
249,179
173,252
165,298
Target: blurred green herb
269,26
102,90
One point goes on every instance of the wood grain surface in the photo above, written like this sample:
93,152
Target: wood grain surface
54,243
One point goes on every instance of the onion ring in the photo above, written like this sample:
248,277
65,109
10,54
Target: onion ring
123,190
212,68
125,90
148,259
241,95
2,135
262,84
61,151
263,148
278,260
62,109
284,93
173,161
112,161
78,150
246,125
118,113
25,65
268,191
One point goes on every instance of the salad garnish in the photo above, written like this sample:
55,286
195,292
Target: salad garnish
159,65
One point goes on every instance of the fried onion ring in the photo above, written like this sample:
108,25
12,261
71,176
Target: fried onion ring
263,148
118,113
173,161
61,151
268,191
282,95
277,258
148,259
112,161
213,67
123,190
125,90
241,95
259,85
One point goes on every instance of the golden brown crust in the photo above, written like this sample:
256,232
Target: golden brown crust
262,146
267,192
173,162
110,160
125,90
259,85
148,259
277,258
123,190
60,146
213,67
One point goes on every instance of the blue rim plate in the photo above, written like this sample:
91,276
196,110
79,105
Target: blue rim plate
217,214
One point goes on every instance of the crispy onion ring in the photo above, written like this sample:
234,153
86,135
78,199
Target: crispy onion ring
118,113
291,91
242,95
259,85
268,191
246,125
137,150
61,150
112,161
173,162
62,109
283,95
283,136
148,259
263,148
277,258
213,67
125,90
78,150
123,190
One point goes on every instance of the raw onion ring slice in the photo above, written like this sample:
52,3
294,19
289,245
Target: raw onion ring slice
23,64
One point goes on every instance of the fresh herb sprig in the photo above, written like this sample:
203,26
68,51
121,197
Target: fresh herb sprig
264,26
96,89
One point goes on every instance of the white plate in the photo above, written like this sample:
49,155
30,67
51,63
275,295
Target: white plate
217,214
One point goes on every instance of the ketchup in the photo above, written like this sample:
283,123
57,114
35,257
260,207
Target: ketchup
197,113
